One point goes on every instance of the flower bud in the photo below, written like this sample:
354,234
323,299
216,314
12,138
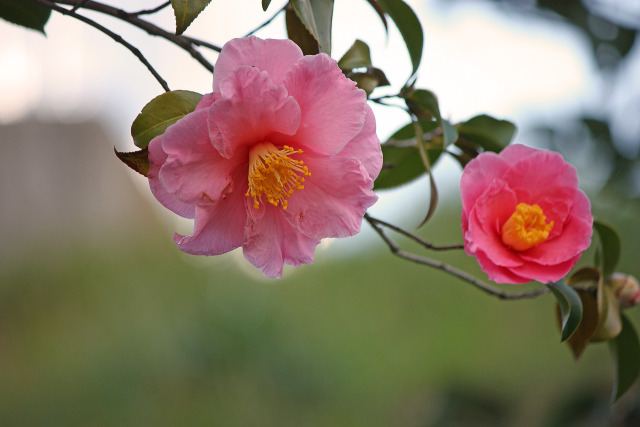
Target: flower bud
626,289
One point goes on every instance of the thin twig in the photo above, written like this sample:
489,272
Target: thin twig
152,11
395,249
267,22
116,37
186,43
413,236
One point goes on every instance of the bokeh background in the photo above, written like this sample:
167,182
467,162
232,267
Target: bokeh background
104,322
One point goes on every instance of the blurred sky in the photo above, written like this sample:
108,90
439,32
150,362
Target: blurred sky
475,59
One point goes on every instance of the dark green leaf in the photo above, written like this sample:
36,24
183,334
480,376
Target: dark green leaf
161,112
265,4
316,16
25,13
625,351
423,104
433,193
298,33
358,56
581,337
609,248
487,132
401,158
136,160
380,13
570,307
409,26
186,11
370,79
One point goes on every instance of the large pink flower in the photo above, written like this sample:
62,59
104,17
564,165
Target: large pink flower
523,216
281,154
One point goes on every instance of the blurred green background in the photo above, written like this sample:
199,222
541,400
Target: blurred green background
105,322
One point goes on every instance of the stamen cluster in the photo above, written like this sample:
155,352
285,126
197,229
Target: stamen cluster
274,175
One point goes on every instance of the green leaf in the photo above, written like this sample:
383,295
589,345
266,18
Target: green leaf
570,307
265,4
369,79
136,160
358,56
298,33
401,158
409,26
581,337
186,11
374,4
487,132
609,248
316,16
25,13
161,112
423,104
625,351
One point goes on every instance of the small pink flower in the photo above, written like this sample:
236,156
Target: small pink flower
281,154
523,216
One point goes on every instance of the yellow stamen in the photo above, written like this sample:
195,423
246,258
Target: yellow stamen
274,175
526,228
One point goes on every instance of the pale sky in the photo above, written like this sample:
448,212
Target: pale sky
474,60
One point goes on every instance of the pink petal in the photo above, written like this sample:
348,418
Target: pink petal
157,157
546,273
207,99
251,110
218,228
478,174
366,146
497,273
194,171
272,242
275,57
333,109
575,238
492,209
334,199
541,174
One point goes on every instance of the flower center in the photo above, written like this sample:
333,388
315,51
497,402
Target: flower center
274,175
526,228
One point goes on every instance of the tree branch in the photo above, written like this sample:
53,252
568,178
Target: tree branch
395,249
116,37
184,42
267,22
151,11
412,236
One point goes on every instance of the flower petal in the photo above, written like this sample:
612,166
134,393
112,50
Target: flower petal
497,273
575,238
273,56
272,242
491,210
334,199
218,228
194,171
365,146
333,109
250,110
546,273
478,174
157,157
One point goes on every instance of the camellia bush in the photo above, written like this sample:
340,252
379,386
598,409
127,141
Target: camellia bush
282,152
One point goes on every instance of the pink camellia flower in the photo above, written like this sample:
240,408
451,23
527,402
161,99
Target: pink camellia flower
281,154
523,216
